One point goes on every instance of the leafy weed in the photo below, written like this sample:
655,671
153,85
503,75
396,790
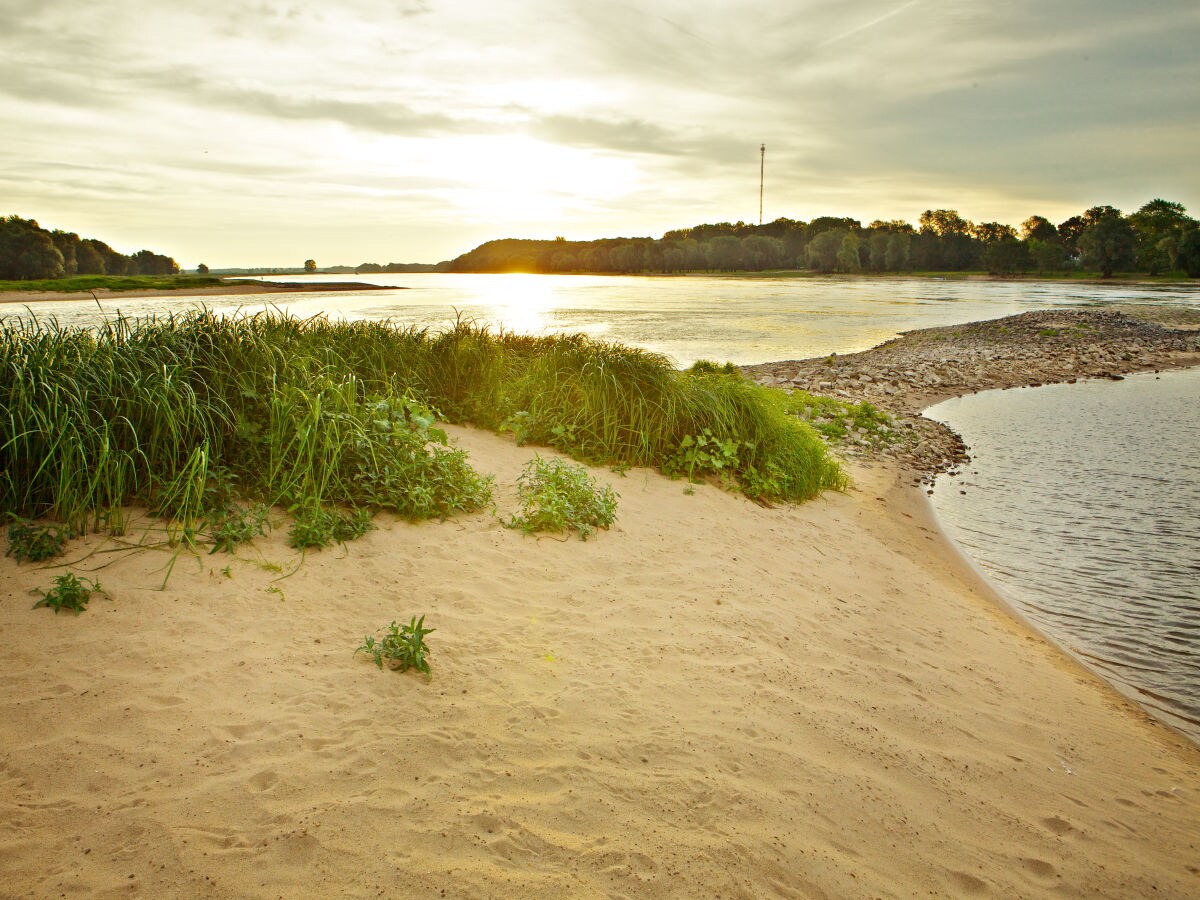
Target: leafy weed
557,496
70,593
27,541
402,646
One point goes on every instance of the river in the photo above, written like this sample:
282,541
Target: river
1082,503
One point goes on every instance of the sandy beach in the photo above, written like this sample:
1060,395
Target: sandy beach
713,698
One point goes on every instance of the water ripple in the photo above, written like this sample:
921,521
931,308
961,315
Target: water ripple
1084,507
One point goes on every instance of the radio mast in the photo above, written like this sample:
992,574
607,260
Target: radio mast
762,167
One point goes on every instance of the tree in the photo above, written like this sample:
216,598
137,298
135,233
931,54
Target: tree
877,251
1108,243
67,243
1187,255
1048,255
944,222
993,232
310,265
897,257
202,269
725,253
1158,227
87,260
1007,255
1069,232
27,250
114,263
1038,228
848,260
822,250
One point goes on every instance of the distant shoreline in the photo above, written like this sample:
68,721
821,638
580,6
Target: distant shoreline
232,289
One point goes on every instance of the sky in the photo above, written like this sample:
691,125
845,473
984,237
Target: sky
261,133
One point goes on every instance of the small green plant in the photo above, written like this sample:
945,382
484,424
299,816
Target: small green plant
236,525
27,541
277,591
837,420
318,527
708,367
70,593
1048,332
558,496
703,454
402,646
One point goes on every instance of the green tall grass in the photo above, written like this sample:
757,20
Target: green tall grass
186,413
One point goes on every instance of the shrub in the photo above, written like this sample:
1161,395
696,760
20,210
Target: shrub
70,593
27,541
558,496
317,527
237,525
402,646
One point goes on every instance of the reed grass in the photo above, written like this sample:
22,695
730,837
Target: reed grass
187,413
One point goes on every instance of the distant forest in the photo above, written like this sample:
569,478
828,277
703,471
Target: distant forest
1159,238
28,251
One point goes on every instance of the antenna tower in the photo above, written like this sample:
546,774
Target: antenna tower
762,167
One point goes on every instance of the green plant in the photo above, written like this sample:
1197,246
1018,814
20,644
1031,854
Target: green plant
708,367
837,420
237,525
191,415
1048,332
558,496
402,646
27,541
318,527
702,454
70,593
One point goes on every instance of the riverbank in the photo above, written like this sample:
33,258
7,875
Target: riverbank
912,372
712,698
766,702
236,288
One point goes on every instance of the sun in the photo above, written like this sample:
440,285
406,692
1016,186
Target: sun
520,179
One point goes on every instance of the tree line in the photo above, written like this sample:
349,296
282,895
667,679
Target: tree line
28,251
1158,238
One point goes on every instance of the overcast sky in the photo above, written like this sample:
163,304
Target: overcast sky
262,133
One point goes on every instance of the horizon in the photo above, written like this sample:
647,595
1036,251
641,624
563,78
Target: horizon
254,138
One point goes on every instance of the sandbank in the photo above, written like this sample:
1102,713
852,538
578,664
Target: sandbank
710,699
237,289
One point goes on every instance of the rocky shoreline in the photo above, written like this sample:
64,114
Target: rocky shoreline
909,373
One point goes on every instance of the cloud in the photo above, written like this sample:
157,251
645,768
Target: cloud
871,105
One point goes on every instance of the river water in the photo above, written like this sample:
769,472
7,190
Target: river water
745,320
1082,502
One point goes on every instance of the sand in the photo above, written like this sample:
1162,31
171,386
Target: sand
710,699
236,289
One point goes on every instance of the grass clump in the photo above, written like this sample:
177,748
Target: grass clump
198,416
316,527
31,542
708,367
402,647
557,496
69,593
235,525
